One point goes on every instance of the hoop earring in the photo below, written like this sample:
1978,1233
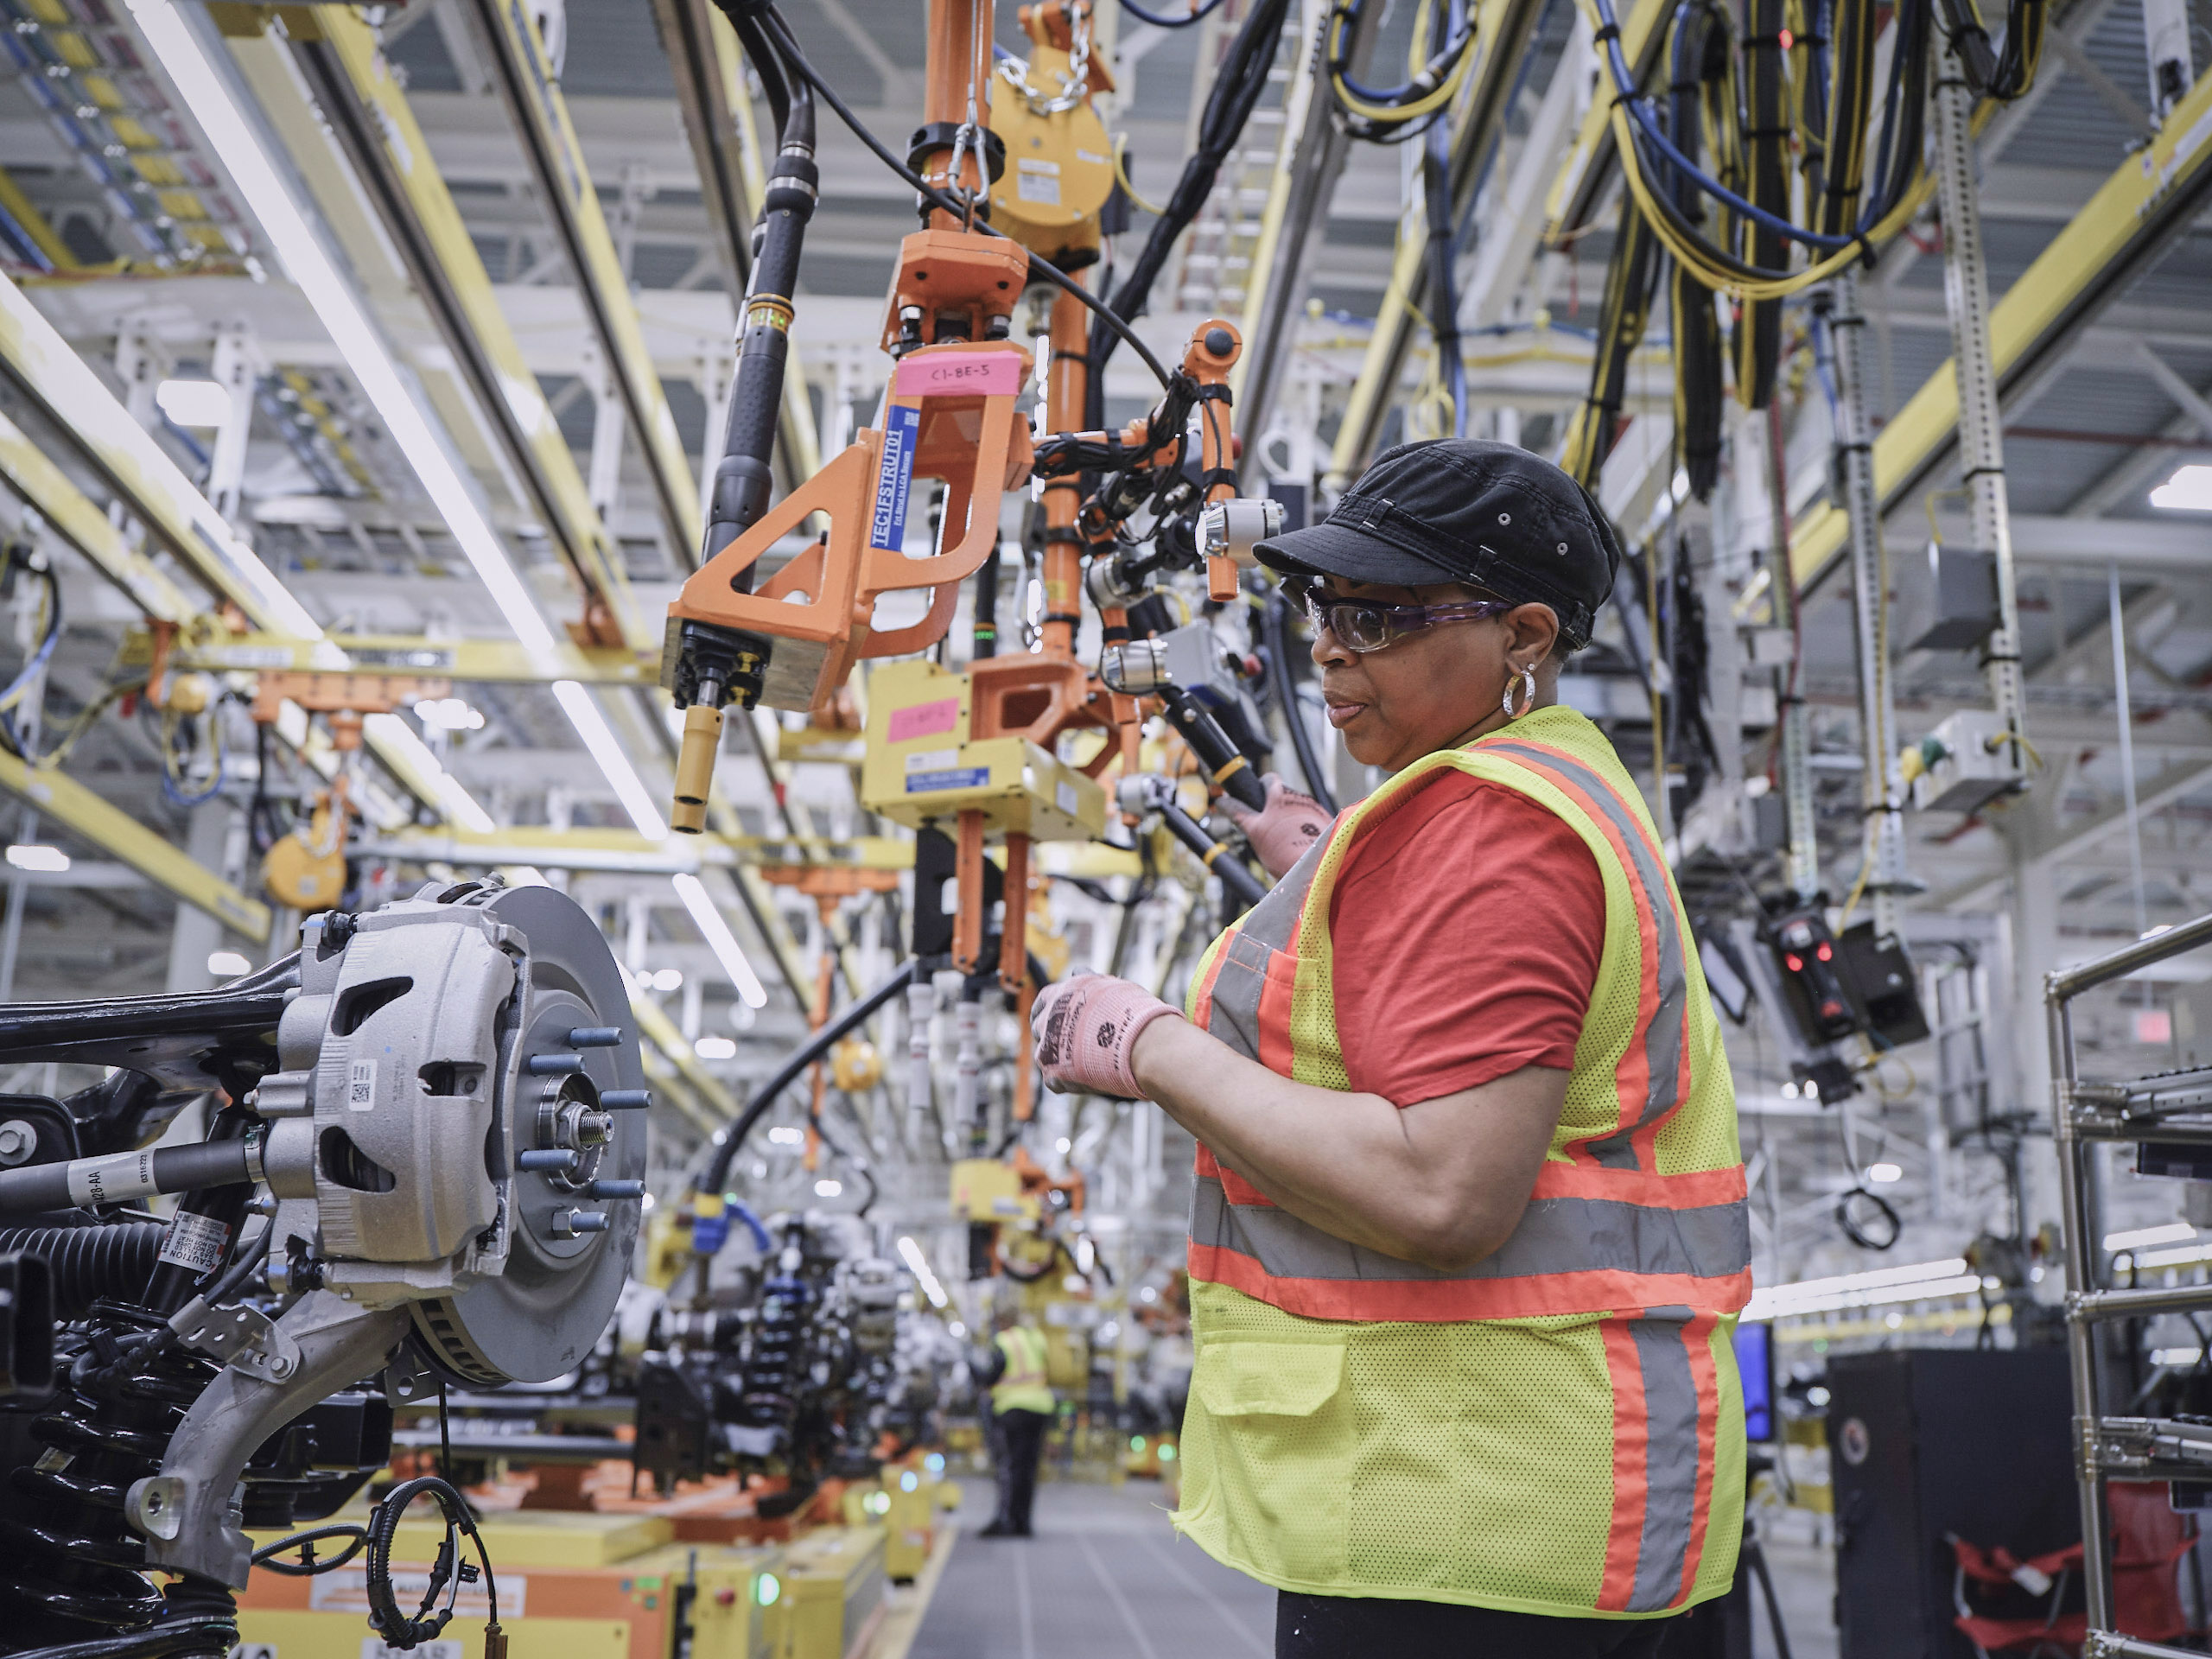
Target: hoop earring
1528,694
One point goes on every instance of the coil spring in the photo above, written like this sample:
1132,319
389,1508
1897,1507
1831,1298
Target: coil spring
765,1392
75,1559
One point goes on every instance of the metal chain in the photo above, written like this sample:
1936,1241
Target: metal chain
1075,84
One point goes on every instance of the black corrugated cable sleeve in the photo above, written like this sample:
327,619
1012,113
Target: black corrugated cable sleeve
1766,159
1700,394
1620,330
1274,633
1236,89
1851,104
1443,293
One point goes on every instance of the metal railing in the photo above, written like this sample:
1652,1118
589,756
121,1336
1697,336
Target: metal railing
2174,1108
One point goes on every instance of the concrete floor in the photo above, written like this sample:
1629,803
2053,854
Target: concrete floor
1106,1578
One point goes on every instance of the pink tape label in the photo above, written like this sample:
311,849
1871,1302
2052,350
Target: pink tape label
925,720
952,374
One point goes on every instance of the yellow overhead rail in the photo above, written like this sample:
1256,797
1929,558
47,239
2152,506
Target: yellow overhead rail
62,387
69,803
656,1028
70,513
1588,168
549,144
2150,200
360,106
474,661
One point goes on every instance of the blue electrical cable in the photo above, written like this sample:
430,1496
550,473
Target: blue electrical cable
1157,21
1457,32
1637,106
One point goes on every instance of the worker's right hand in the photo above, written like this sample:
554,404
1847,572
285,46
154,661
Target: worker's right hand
1085,1028
1282,830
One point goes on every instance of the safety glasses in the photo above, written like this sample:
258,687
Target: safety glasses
1362,625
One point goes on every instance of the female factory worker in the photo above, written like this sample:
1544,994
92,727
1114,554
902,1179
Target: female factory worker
1468,1230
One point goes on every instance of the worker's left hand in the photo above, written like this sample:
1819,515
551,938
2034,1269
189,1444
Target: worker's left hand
1086,1027
1282,830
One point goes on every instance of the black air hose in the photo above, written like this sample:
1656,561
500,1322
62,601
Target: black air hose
1274,633
90,1262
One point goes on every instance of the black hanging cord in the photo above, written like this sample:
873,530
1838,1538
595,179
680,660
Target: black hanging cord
717,1173
1274,629
1237,90
448,1572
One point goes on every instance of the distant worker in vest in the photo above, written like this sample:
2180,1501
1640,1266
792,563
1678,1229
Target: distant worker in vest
1021,1409
1468,1232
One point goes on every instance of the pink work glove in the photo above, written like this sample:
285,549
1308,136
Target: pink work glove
1085,1028
1282,830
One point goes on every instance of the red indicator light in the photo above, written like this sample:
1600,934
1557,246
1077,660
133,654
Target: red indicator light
1824,952
1788,40
1797,963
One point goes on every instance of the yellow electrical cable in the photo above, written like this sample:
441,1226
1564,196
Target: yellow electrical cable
1122,177
1395,114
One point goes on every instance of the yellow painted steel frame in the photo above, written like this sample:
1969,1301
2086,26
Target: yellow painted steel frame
548,143
477,328
36,225
1589,163
152,487
70,513
70,803
63,386
474,661
2146,196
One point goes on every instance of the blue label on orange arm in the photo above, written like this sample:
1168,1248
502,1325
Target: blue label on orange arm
894,478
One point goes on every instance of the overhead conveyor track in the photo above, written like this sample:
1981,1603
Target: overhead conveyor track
548,137
369,119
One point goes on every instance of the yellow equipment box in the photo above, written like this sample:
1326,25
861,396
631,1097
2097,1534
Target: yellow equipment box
833,1592
922,767
571,1587
983,1189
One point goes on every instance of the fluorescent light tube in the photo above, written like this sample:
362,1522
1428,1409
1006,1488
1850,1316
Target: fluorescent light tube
720,939
591,725
234,138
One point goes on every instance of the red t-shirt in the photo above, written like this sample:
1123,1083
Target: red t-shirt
1467,929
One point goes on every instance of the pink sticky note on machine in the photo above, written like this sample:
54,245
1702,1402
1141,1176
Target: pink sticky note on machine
925,720
959,374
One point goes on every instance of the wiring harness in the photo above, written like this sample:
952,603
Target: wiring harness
1709,195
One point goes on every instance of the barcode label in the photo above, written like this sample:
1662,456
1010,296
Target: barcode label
361,1087
196,1241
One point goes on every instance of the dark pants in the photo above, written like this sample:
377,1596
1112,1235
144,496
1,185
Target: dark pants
1346,1627
1020,1439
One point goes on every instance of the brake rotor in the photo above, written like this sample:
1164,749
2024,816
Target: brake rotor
540,1317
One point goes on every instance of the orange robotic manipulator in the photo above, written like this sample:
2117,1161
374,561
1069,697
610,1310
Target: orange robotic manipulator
950,413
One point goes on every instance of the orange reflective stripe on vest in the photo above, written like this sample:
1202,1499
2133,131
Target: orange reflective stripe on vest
1661,1371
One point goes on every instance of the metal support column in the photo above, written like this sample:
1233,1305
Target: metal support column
234,370
1793,772
1884,789
196,935
1982,440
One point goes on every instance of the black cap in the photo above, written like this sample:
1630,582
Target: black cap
1466,509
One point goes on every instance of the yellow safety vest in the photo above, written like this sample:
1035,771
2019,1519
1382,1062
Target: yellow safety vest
1557,1429
1022,1386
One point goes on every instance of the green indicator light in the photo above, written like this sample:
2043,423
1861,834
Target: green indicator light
767,1588
1167,1454
1136,1442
